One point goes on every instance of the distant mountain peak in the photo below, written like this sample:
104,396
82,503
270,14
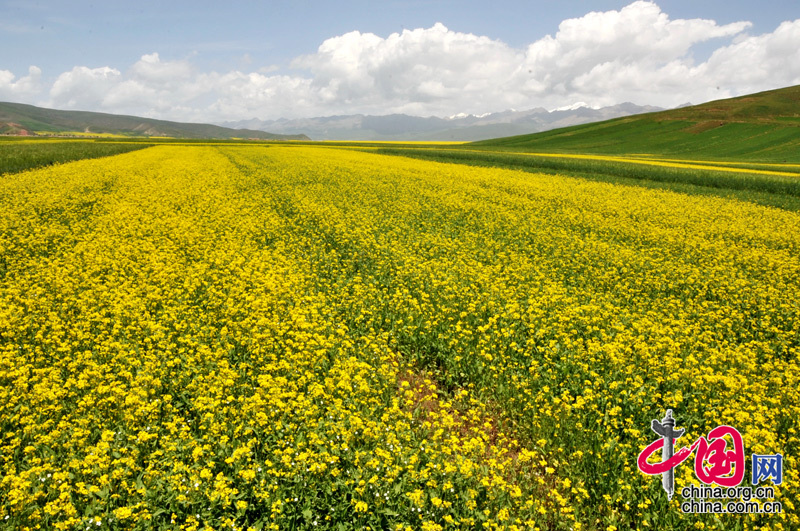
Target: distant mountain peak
462,115
575,106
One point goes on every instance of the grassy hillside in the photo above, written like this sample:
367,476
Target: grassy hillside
763,127
16,118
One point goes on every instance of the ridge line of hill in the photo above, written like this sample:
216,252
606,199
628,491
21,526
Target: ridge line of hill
29,120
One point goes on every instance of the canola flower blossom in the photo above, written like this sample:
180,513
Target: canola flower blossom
280,337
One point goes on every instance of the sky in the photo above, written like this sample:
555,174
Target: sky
225,61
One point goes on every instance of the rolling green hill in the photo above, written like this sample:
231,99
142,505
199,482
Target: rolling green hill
758,127
18,118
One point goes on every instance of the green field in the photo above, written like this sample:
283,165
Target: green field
19,155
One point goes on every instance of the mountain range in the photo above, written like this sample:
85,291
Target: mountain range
18,118
461,127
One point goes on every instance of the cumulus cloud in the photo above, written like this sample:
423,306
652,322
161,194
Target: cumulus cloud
151,69
84,87
422,69
150,87
757,62
24,89
637,53
631,53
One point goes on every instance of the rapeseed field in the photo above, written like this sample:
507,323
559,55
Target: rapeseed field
299,337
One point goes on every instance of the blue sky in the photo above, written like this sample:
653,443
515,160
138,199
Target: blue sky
234,60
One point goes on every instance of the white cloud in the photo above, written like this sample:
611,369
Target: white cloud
24,89
634,54
614,56
152,70
433,68
150,87
84,88
758,62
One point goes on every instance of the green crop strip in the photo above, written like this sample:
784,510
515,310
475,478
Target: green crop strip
17,155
